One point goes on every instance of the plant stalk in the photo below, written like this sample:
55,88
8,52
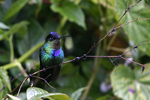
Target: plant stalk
23,57
11,48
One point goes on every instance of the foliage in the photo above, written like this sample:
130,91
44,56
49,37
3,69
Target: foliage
37,93
130,84
25,24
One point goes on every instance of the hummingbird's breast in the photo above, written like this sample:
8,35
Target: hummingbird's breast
50,56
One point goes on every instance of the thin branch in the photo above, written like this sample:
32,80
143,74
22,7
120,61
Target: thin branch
136,47
44,81
21,85
90,48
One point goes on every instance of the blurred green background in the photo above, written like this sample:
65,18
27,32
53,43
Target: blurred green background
24,24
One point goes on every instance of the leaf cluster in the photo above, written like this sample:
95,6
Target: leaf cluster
24,24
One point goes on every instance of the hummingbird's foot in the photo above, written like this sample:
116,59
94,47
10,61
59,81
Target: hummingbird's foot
44,69
31,80
31,83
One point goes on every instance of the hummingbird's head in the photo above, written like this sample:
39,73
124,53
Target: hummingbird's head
54,39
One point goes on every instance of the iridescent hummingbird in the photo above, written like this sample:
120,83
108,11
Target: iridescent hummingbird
51,54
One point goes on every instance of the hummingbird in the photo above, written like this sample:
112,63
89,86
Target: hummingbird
51,54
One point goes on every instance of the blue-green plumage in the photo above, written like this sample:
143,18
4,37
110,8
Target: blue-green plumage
51,54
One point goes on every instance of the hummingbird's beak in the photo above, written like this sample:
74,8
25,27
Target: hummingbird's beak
64,36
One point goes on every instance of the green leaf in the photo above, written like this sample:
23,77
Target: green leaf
131,85
3,26
71,11
75,95
3,91
33,91
53,96
15,7
137,31
1,86
16,27
37,93
35,34
13,97
5,78
3,34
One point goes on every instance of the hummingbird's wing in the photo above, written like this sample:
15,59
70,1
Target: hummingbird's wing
41,66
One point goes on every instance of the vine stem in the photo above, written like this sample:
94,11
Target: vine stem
23,57
11,48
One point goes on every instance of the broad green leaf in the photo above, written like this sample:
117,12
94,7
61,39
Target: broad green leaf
15,7
131,85
3,91
75,95
35,34
52,96
5,78
71,11
16,27
37,93
33,91
22,31
13,97
1,86
3,26
137,31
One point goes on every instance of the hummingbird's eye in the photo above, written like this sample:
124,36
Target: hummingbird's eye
51,38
